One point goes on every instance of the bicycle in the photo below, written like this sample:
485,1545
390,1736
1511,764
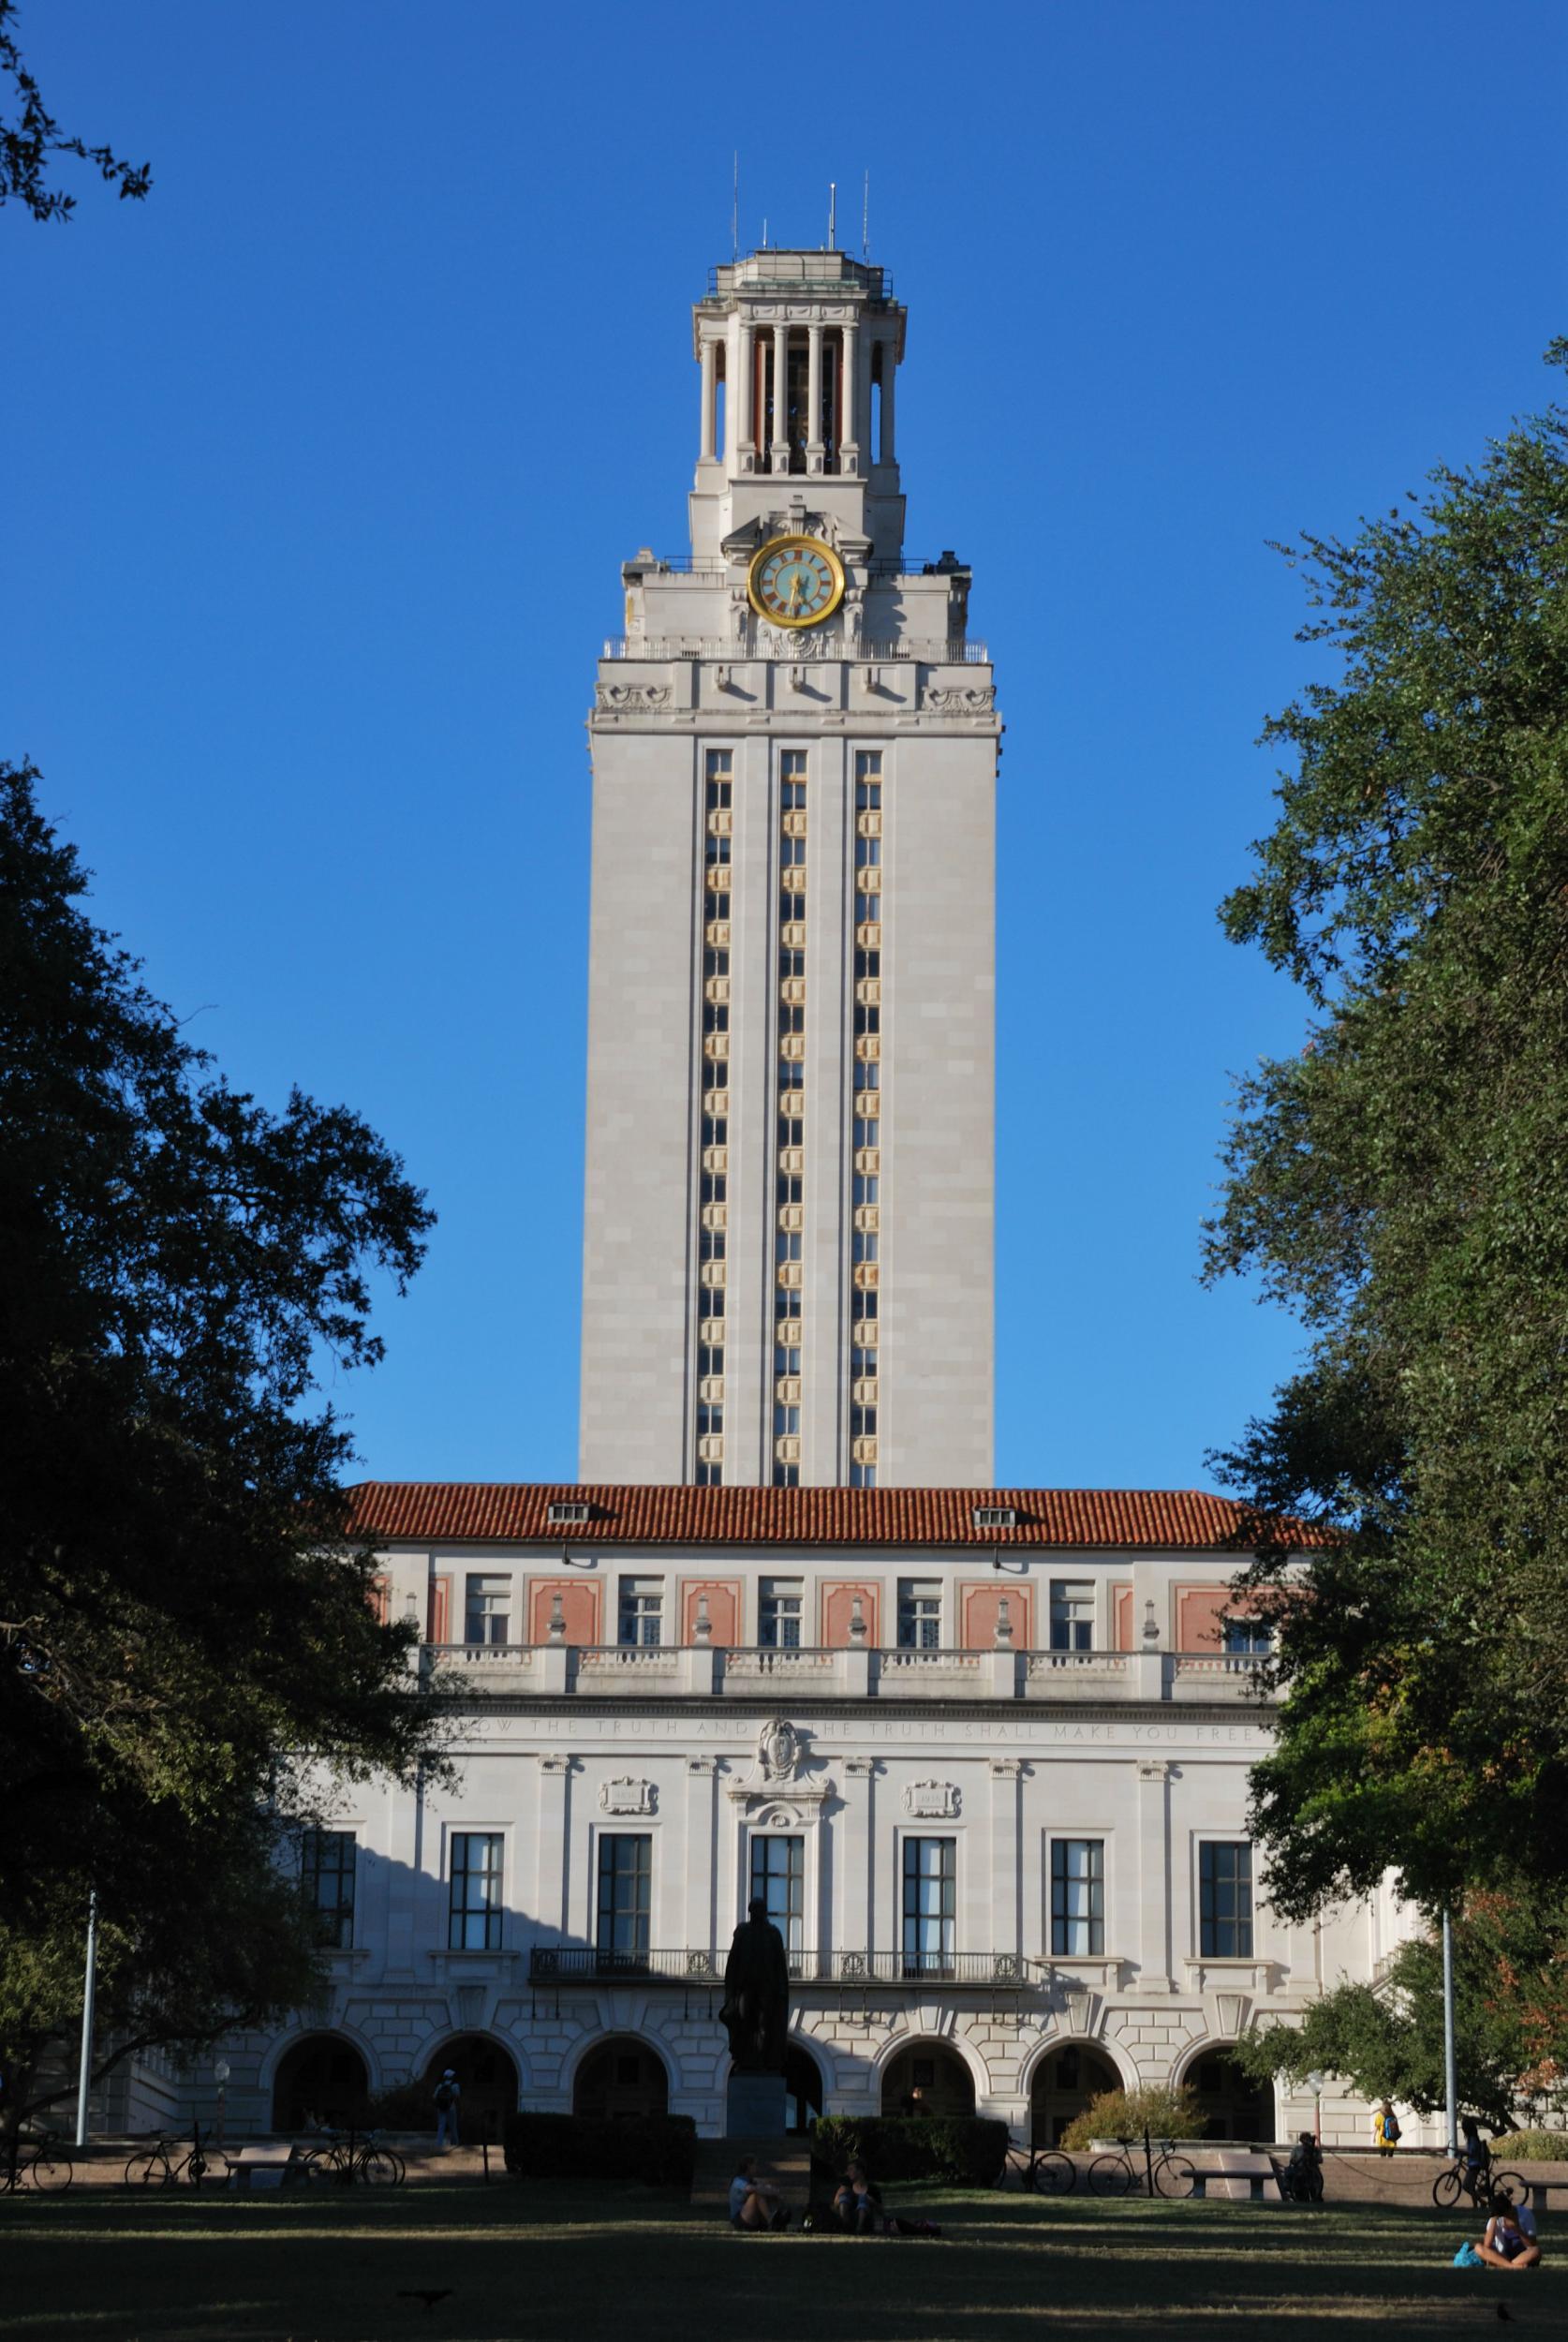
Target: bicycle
37,2161
1481,2185
1118,2175
1041,2171
156,2167
355,2160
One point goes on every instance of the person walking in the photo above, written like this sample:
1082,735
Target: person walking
449,2096
1385,2129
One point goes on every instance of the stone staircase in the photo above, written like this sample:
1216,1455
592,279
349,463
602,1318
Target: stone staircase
786,2161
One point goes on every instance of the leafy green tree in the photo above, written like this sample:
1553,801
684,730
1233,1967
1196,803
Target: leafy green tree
31,138
1510,2011
1403,1185
182,1614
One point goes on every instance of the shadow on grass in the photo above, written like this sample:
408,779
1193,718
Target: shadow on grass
550,2259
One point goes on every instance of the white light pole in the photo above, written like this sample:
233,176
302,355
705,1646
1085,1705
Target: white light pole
1315,2083
89,1993
221,2075
1450,2056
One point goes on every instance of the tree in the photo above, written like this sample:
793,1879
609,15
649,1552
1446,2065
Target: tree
1402,1184
28,143
1510,2009
188,1650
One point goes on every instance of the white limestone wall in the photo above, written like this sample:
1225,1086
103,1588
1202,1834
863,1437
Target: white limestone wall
936,1403
643,1041
551,1783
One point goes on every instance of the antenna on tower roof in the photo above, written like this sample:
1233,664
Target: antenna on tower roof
832,215
735,213
764,231
865,220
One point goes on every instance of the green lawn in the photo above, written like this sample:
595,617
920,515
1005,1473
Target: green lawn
549,2259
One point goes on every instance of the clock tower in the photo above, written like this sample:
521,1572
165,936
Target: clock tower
788,1242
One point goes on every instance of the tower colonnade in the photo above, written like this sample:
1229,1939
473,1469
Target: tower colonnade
798,398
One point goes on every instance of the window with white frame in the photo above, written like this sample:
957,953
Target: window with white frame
327,1868
779,1879
920,1613
779,1602
625,1899
475,1908
1077,1897
1226,1899
1071,1614
487,1610
1246,1638
930,1905
641,1611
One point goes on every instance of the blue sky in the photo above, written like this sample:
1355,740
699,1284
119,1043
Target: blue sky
323,461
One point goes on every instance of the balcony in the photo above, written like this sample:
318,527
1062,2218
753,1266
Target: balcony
832,1971
858,1671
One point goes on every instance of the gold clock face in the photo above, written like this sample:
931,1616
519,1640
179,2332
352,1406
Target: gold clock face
795,581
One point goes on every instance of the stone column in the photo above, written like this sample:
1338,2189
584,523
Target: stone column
890,374
701,1855
855,1834
814,398
849,426
1154,1876
710,380
739,398
1007,1783
552,1882
781,449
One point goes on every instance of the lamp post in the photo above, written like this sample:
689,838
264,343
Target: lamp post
1315,2083
221,2075
89,1995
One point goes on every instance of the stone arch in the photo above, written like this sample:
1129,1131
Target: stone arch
320,2077
620,2074
1064,2075
1230,2106
935,2065
487,2078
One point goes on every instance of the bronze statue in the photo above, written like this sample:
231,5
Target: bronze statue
756,2009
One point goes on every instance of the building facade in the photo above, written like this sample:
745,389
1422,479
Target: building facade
983,1752
787,1235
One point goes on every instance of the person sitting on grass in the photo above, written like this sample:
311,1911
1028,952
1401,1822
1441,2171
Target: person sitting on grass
857,2206
755,2203
1510,2241
1304,2171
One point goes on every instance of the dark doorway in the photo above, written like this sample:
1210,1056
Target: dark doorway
928,2075
1230,2106
622,2079
487,2078
322,2080
1065,2081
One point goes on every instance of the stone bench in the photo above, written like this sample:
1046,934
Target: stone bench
1239,2178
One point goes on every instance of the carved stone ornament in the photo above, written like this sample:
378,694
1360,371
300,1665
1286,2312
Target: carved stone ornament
775,1776
958,698
777,1750
932,1801
630,699
626,1796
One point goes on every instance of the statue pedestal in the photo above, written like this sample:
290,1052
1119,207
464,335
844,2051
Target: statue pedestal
754,2107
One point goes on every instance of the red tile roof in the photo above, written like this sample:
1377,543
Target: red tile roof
423,1511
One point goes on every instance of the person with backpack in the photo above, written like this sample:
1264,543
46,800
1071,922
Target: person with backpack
1385,2129
449,2093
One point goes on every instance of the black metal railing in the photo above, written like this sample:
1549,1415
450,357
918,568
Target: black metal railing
891,564
584,1964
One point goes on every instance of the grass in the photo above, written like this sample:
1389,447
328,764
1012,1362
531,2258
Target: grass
547,2260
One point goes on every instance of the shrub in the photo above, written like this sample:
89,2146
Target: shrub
1163,2112
409,2106
966,2150
660,2150
1531,2146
